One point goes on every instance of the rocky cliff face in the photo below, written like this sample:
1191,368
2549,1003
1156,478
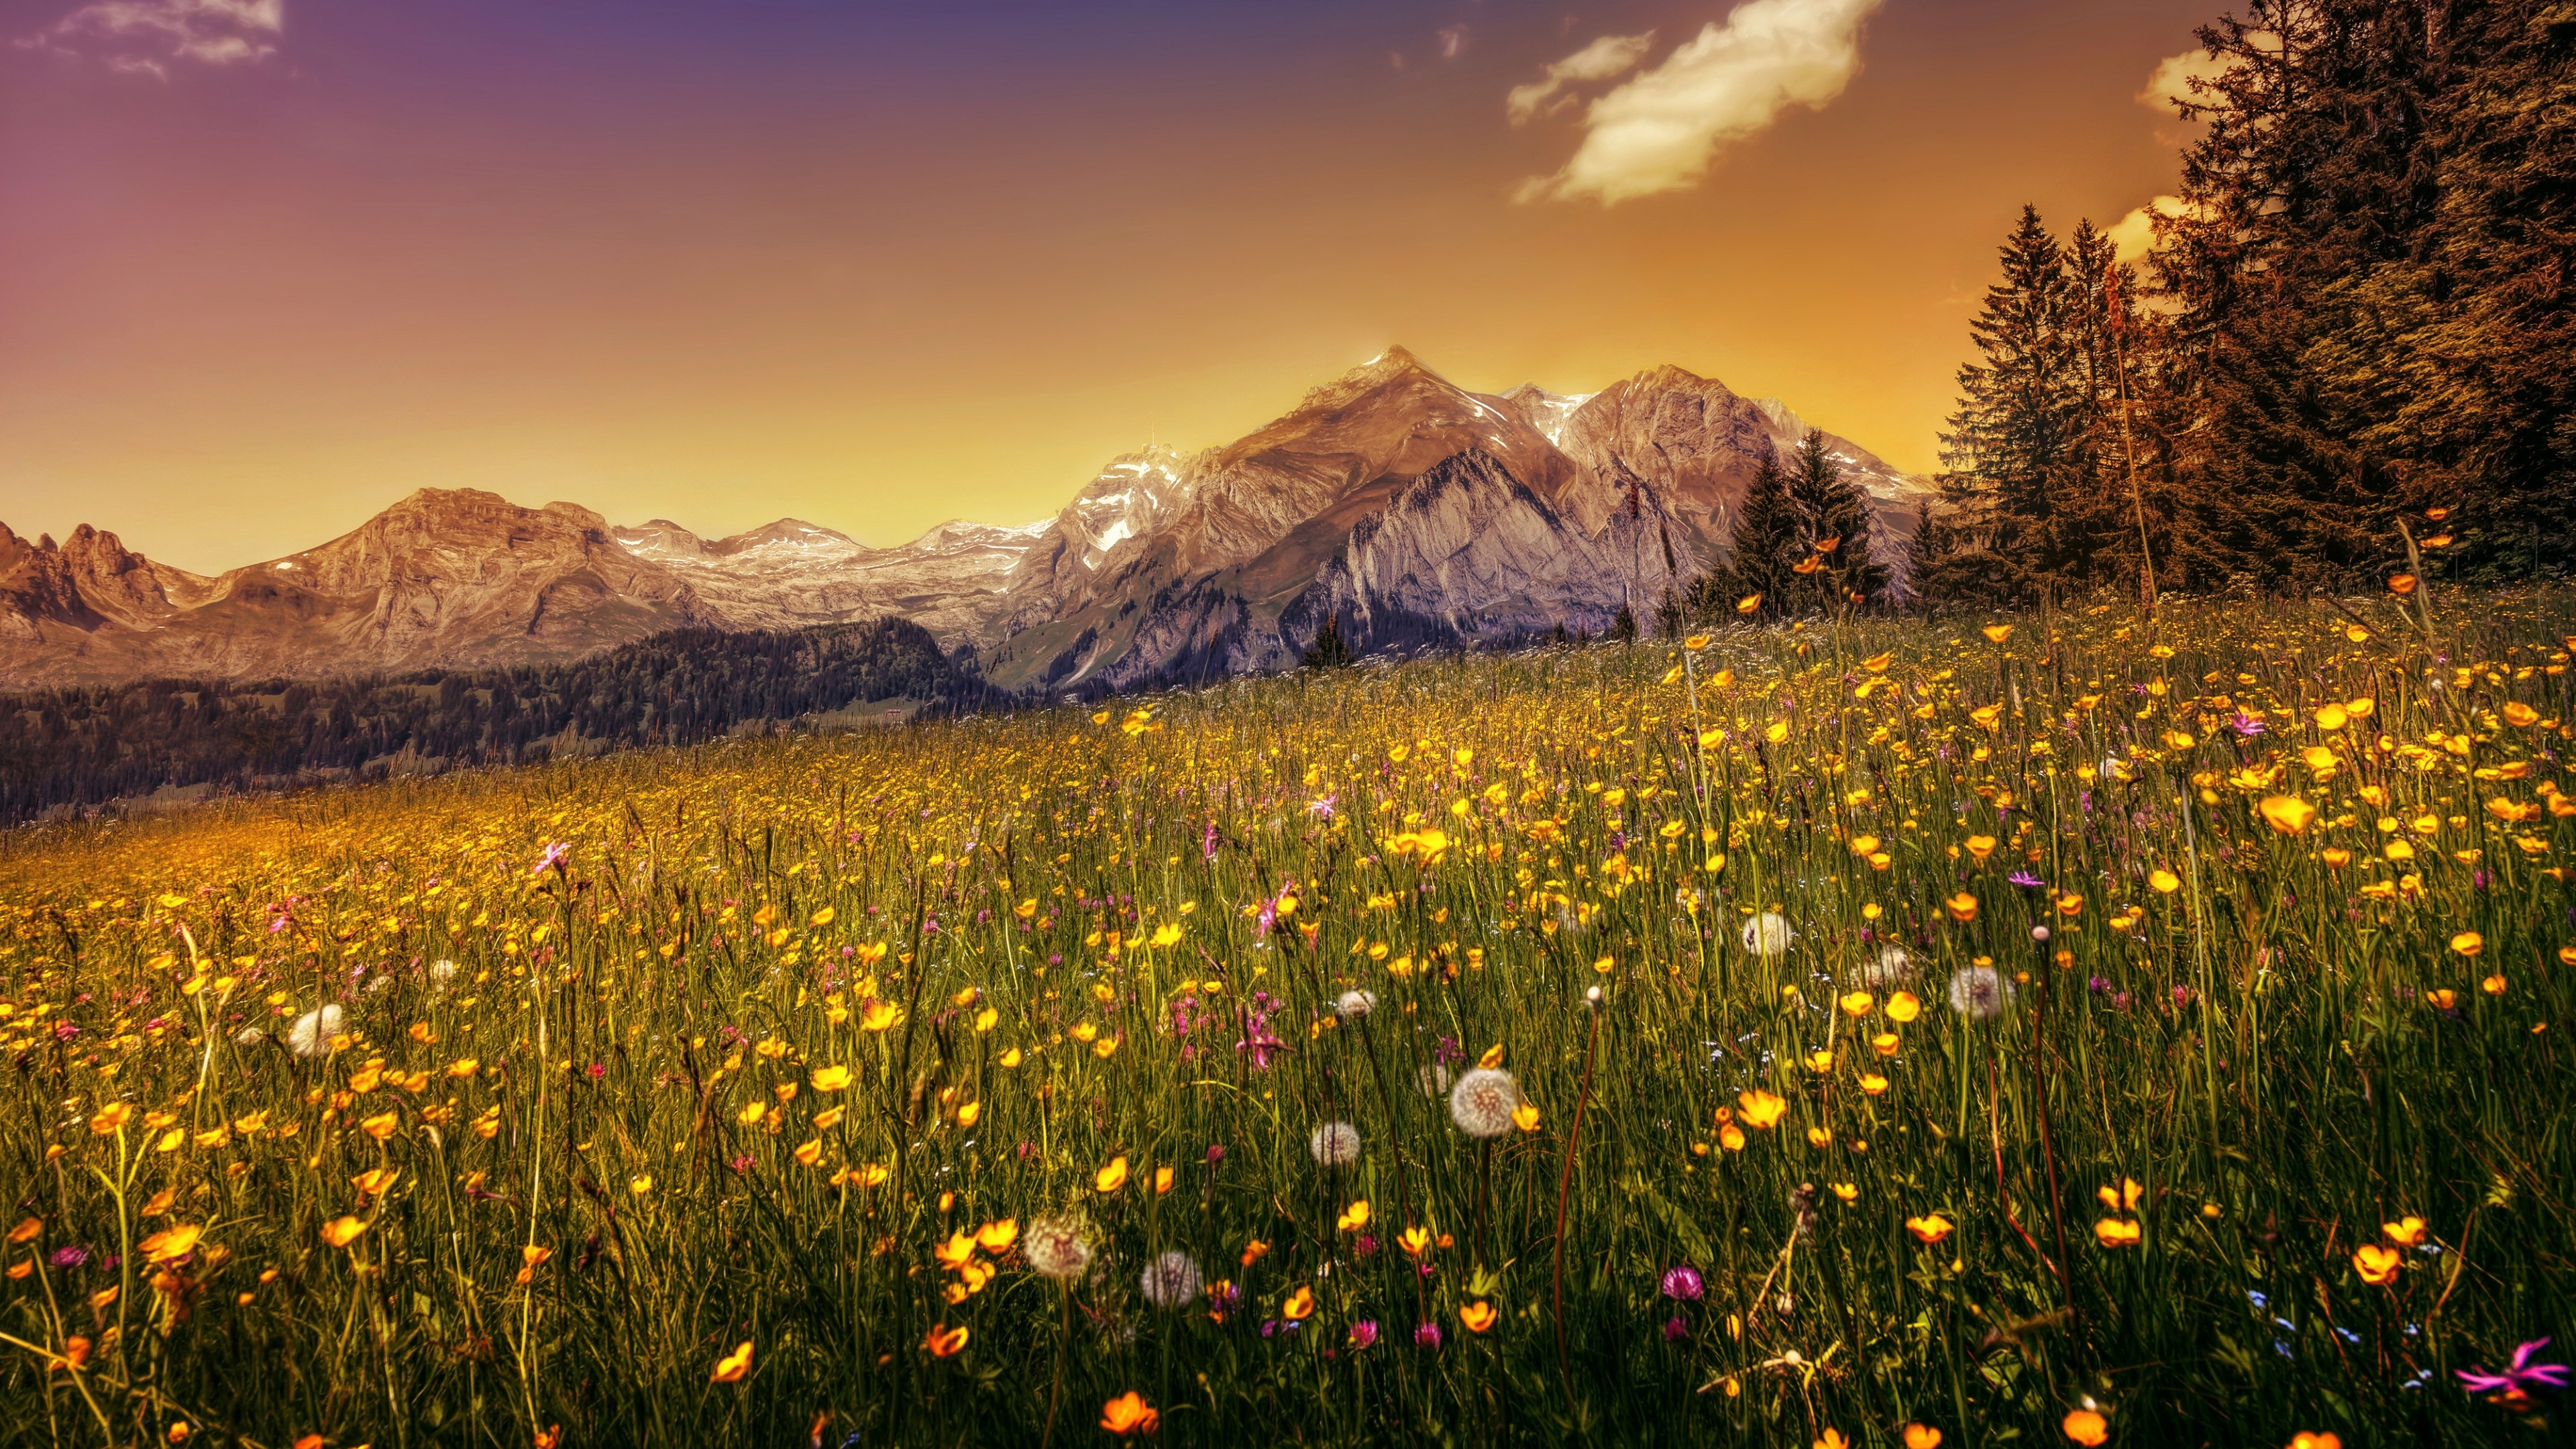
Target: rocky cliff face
1415,512
1412,510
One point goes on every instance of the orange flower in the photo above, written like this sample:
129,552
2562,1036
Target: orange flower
1130,1414
342,1231
2287,814
2305,1440
945,1342
1478,1316
1112,1177
1299,1305
731,1368
1833,1439
998,1236
1903,1006
1962,907
2406,1232
2086,1427
2376,1265
1253,1250
1922,1436
1930,1228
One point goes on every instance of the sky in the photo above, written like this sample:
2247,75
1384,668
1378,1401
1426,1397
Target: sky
268,265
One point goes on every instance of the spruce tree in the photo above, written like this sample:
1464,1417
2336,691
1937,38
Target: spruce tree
1769,539
1329,651
1837,514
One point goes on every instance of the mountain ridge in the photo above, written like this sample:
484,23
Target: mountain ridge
1413,508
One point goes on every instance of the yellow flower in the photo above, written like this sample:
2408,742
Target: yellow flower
2520,715
731,1368
1922,1436
1998,633
1730,1137
1525,1116
2468,943
1930,1228
2376,1265
1873,1083
1300,1304
830,1079
1962,907
878,1016
2287,814
2117,1232
111,1117
1478,1316
1354,1217
2406,1232
1857,1003
171,1242
1902,1007
1847,1191
2305,1440
340,1232
1112,1177
810,1151
1761,1109
944,1341
640,1184
2086,1427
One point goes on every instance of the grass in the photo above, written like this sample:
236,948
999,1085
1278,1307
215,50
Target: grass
753,1057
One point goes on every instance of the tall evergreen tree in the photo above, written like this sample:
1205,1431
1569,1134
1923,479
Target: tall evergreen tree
1837,518
1769,538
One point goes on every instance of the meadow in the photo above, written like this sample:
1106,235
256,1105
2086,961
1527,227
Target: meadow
2065,1028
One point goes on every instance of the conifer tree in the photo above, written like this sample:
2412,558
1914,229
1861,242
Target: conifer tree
1769,539
1837,518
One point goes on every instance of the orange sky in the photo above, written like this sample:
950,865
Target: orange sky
723,263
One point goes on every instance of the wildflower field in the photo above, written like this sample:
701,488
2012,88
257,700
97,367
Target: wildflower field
2072,1028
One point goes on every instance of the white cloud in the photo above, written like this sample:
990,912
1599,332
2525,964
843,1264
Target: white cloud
1661,130
1611,55
1453,39
2134,235
147,37
2174,75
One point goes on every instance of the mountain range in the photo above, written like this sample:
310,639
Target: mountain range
1409,509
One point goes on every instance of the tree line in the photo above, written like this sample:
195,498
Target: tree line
89,745
2352,332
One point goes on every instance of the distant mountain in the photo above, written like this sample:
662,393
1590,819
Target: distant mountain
1411,509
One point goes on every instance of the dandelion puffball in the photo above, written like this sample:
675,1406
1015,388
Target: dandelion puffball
1980,992
312,1032
1768,935
1889,967
1171,1281
1355,1004
1482,1102
442,972
1056,1247
1335,1144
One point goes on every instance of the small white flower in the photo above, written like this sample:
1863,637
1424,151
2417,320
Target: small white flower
311,1035
250,1036
1980,992
1355,1004
1335,1144
380,984
1171,1281
1057,1247
1768,935
1482,1102
1889,967
441,972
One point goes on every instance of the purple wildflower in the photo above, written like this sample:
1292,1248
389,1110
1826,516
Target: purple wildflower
1364,1333
2520,1376
1207,842
2245,725
1676,1328
2026,880
1682,1282
1427,1336
553,856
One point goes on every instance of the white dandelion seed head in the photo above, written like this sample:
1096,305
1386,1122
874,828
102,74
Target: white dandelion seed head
1171,1281
441,972
1057,1247
1433,1079
1482,1102
1335,1144
1355,1004
1980,992
1768,935
1890,966
311,1035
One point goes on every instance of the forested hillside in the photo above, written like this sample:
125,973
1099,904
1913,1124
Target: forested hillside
86,746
